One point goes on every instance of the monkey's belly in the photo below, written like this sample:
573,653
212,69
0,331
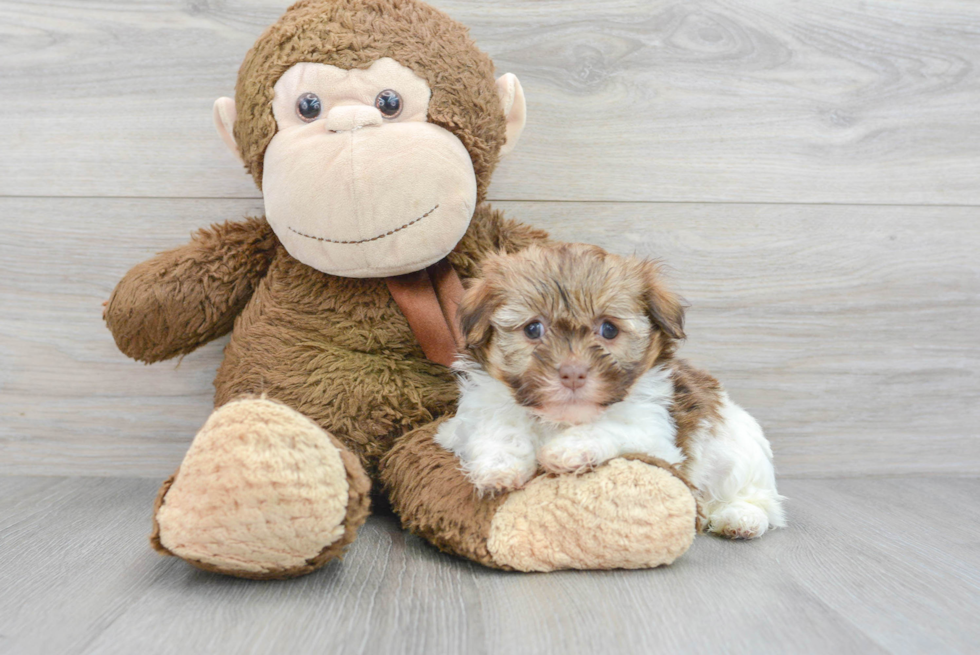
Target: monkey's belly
362,378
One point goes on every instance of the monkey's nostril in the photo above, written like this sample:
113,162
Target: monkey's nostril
573,376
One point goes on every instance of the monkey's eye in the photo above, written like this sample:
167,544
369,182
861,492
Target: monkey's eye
389,103
608,331
534,330
308,107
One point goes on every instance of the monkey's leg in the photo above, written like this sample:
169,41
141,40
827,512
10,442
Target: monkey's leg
628,513
262,493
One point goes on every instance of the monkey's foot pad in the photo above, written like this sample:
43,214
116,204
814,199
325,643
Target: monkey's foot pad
263,492
626,514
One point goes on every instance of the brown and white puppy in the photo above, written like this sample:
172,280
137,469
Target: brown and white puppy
569,362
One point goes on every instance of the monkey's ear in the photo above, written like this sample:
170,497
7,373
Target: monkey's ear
224,122
475,310
664,307
515,109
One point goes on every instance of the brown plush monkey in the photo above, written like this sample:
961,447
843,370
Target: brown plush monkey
372,128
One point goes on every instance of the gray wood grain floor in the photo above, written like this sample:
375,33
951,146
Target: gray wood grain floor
867,566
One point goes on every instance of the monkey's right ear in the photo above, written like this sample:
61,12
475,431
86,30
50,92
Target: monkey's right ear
475,310
224,122
515,110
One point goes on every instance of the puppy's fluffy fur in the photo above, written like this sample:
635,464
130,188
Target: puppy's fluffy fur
569,362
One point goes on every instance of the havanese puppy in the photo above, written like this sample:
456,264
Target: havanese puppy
569,362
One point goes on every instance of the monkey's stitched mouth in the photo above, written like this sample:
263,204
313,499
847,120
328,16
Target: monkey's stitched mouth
375,238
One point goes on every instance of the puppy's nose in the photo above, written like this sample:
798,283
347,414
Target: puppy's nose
573,375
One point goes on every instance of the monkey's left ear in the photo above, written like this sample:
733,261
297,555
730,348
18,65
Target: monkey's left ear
224,122
515,110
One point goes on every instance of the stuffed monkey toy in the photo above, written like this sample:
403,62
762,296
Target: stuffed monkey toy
372,128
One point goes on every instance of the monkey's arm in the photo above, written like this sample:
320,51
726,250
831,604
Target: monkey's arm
182,298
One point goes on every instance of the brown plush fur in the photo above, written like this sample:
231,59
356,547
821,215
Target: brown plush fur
340,351
435,500
354,34
188,296
336,349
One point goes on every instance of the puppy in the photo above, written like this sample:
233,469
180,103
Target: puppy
569,362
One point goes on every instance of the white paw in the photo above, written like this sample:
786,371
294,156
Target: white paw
499,476
738,520
573,455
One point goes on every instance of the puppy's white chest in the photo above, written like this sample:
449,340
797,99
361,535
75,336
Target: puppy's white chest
639,424
500,444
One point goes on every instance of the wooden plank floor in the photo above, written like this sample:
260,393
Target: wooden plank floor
866,566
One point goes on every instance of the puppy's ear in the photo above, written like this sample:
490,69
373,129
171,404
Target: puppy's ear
664,307
475,310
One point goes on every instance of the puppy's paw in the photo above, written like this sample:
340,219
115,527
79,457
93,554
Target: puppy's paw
500,476
573,454
738,520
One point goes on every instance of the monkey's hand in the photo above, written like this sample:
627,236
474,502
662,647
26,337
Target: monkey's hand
182,298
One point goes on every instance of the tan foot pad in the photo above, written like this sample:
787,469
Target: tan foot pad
625,514
262,492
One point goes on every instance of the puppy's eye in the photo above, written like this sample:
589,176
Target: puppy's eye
389,103
308,107
608,331
534,330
